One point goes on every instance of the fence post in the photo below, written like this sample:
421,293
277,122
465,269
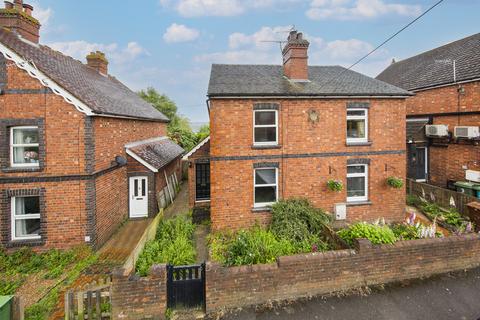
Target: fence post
18,311
80,305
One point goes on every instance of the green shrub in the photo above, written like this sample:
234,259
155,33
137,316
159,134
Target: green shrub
335,185
173,244
376,233
404,231
297,220
8,287
395,182
413,200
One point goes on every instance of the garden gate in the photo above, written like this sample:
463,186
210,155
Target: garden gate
186,286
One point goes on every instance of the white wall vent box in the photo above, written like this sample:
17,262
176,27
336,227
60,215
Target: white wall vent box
469,132
472,175
340,211
436,130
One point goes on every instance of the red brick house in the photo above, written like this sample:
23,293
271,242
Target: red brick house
446,83
79,151
284,131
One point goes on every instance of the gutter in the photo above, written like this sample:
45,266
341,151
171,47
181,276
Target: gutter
307,97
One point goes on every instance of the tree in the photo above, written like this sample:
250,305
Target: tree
160,101
203,132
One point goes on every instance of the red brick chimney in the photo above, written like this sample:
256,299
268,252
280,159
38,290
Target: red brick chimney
17,17
97,61
295,57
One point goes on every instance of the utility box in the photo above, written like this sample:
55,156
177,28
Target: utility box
6,307
340,211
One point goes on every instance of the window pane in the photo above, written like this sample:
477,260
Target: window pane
135,188
265,194
27,205
25,136
265,176
144,188
355,169
356,128
22,155
356,187
265,117
355,113
27,227
266,134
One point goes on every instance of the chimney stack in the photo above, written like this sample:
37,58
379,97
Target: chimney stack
17,17
295,57
97,61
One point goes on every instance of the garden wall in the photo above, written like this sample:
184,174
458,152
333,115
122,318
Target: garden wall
321,273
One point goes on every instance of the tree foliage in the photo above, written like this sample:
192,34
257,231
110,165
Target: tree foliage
179,129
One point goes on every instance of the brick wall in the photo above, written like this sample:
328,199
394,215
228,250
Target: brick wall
321,273
310,155
134,297
447,162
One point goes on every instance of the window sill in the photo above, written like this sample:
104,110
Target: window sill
267,146
22,169
26,243
358,144
261,209
359,203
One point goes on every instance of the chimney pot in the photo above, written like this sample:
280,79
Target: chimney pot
8,5
18,4
98,61
295,57
20,20
28,9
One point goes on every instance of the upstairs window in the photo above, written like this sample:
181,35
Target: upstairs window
357,125
357,182
265,131
24,147
265,186
25,218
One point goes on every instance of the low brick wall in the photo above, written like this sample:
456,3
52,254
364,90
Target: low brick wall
135,297
321,273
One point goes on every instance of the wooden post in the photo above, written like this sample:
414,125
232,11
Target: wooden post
18,308
89,305
80,305
67,306
98,299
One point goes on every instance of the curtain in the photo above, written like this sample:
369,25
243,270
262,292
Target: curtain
20,225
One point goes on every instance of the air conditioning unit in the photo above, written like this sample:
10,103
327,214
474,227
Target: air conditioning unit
472,175
436,130
468,132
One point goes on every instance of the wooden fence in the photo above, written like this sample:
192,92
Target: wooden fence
92,302
443,197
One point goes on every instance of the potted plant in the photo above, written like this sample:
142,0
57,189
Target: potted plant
335,185
395,182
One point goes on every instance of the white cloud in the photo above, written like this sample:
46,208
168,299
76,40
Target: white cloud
180,33
358,9
225,8
80,49
43,15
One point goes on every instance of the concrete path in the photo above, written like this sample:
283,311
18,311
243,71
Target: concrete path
180,204
451,296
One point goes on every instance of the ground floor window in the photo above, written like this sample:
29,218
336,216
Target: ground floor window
357,182
25,218
265,186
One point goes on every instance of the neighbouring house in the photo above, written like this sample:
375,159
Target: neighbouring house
446,83
199,174
284,131
79,151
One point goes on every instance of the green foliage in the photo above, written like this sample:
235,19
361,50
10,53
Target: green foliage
395,182
450,217
173,244
334,185
8,287
203,133
405,231
160,101
297,220
376,233
413,200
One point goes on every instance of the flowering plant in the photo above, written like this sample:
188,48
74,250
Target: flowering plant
395,182
335,185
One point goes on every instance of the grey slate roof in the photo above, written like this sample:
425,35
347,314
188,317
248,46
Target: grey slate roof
103,94
268,80
158,153
427,69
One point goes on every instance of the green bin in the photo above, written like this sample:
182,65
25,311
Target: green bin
466,187
6,307
476,188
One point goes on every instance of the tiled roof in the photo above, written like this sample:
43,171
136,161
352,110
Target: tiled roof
157,152
435,67
268,80
103,94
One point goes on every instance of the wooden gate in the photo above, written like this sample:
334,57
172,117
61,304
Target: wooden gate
186,286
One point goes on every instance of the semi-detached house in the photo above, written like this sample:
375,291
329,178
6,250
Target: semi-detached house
279,132
79,151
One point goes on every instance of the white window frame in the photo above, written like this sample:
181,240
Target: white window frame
269,143
356,175
12,147
15,218
255,185
365,118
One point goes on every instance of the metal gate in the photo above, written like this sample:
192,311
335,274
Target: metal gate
186,286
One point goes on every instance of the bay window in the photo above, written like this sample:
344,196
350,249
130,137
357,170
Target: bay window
265,186
357,182
265,127
24,147
25,218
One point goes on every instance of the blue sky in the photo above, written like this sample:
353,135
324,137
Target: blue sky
171,44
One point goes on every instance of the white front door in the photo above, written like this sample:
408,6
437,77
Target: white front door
138,197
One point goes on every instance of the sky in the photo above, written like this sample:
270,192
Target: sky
171,44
